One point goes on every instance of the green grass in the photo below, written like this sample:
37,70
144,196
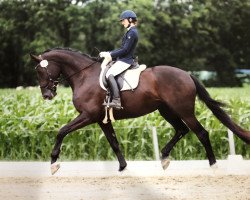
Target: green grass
28,127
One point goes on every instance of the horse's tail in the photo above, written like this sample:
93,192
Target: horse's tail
215,107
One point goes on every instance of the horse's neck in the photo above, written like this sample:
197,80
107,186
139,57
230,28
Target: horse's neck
74,67
76,70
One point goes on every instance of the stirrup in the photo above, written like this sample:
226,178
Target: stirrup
112,105
105,103
116,104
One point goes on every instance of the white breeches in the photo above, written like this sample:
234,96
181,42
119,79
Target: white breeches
117,68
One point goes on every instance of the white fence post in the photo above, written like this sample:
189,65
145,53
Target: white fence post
234,161
155,142
231,142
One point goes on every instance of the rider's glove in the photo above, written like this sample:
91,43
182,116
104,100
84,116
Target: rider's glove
105,55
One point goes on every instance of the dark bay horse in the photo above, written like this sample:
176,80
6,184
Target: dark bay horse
169,90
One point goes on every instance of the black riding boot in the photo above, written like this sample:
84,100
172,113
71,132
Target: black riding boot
116,101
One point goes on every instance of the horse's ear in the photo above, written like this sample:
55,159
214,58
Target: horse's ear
35,58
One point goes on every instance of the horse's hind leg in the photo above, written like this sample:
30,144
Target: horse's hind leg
180,128
110,135
202,135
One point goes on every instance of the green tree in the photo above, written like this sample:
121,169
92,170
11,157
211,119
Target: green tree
201,35
34,26
192,35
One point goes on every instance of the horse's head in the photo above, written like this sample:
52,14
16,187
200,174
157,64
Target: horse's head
48,72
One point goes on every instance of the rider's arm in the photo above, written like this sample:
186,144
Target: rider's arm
128,46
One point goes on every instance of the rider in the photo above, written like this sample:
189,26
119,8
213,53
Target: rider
123,56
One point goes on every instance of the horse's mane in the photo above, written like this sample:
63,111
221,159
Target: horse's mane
72,50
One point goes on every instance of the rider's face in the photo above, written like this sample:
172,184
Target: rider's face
125,23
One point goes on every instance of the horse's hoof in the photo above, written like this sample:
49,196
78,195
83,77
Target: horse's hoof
54,167
165,163
121,168
214,166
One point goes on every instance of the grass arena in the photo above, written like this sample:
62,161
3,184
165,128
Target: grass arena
141,180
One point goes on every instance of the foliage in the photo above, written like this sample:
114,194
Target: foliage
28,127
192,35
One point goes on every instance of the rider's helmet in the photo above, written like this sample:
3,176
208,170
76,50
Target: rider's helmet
128,14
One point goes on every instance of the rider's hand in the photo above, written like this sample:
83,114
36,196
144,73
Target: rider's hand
105,54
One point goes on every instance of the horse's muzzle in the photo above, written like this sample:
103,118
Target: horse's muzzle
48,94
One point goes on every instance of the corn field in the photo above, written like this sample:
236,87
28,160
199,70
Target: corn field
28,126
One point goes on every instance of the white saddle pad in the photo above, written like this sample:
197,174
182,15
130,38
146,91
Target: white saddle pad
131,76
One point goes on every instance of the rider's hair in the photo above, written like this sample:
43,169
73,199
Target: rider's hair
132,20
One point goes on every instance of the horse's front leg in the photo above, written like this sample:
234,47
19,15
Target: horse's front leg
111,136
79,122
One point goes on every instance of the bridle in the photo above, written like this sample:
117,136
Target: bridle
44,64
52,87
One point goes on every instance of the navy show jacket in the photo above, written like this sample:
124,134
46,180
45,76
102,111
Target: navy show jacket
126,52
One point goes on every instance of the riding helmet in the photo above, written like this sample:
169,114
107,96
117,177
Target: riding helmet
128,14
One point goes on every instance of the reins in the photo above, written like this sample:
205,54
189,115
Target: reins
97,60
80,70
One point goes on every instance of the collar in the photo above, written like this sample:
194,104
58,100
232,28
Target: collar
130,27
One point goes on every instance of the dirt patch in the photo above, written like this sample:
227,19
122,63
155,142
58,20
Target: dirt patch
125,188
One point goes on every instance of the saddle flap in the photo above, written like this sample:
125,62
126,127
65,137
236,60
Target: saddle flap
105,69
131,78
127,80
